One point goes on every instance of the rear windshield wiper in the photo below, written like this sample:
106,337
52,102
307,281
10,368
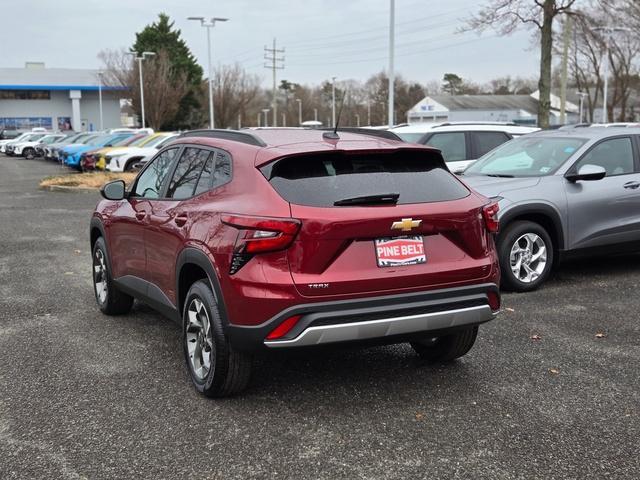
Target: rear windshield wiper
369,200
499,175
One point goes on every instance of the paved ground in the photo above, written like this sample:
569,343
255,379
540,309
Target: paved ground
86,396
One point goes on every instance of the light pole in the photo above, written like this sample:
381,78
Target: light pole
608,33
315,114
100,98
209,24
581,95
391,109
357,120
140,59
333,101
266,118
299,111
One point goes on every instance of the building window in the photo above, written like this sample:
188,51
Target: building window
25,95
25,123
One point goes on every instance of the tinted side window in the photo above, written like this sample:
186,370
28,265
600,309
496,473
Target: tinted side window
487,141
615,156
222,172
187,173
452,145
152,179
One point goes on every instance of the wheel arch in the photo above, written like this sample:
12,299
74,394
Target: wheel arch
542,214
193,264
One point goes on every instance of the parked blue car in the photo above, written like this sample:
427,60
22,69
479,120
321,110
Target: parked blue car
70,154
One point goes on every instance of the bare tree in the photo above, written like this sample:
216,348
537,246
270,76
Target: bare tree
234,91
164,86
506,15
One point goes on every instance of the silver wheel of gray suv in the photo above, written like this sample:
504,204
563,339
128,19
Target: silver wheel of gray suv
526,256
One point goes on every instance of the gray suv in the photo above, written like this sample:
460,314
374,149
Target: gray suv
561,192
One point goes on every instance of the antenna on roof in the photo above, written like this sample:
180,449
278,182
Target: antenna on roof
334,135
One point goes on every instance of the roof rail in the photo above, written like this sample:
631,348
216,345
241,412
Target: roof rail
497,124
232,135
386,134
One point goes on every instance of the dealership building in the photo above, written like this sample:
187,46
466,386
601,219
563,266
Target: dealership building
56,99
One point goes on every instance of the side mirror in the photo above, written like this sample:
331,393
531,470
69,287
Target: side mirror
587,173
113,190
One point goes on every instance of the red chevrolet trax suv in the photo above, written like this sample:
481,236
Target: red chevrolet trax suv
292,238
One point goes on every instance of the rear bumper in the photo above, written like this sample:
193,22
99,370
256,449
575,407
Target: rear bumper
383,319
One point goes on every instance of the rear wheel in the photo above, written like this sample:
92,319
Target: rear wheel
216,368
526,256
29,153
110,300
446,348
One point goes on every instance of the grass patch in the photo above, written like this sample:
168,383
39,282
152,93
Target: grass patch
87,180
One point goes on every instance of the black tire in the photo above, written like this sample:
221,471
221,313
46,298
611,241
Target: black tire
506,242
447,347
114,301
229,370
29,153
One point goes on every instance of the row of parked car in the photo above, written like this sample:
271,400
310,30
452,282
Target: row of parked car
116,150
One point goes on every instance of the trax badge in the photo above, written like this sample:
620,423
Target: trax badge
406,224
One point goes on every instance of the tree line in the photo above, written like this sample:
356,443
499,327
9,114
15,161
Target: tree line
176,93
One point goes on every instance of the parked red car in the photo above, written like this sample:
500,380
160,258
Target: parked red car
285,238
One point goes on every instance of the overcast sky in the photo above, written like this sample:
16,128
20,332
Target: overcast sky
322,38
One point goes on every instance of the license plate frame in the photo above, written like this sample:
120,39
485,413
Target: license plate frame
403,251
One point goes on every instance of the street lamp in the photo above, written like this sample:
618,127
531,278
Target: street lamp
392,22
299,111
100,98
581,95
608,33
140,59
209,24
333,101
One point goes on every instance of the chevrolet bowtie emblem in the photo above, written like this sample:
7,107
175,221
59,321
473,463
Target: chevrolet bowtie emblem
406,224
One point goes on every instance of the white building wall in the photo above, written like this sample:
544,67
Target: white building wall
59,105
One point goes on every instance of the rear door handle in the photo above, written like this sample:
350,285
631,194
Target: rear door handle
180,219
632,185
140,215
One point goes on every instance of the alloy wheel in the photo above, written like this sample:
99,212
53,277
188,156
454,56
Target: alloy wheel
528,257
199,339
100,276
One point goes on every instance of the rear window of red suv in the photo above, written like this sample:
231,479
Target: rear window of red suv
322,179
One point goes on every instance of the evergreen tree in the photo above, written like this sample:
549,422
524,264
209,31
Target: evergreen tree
161,35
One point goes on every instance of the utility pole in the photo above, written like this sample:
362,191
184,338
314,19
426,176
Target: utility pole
271,55
299,111
565,62
100,98
392,23
608,35
333,101
581,95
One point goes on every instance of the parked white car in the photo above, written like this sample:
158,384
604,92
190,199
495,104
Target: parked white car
10,148
28,148
461,143
126,158
3,143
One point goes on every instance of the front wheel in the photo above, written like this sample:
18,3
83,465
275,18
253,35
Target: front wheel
446,348
215,367
29,153
526,256
109,298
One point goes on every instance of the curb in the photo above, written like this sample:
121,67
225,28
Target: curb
62,188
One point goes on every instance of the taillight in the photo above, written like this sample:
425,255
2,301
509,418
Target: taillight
284,328
259,235
490,214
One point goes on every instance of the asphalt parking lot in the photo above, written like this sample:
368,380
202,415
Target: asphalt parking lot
87,396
